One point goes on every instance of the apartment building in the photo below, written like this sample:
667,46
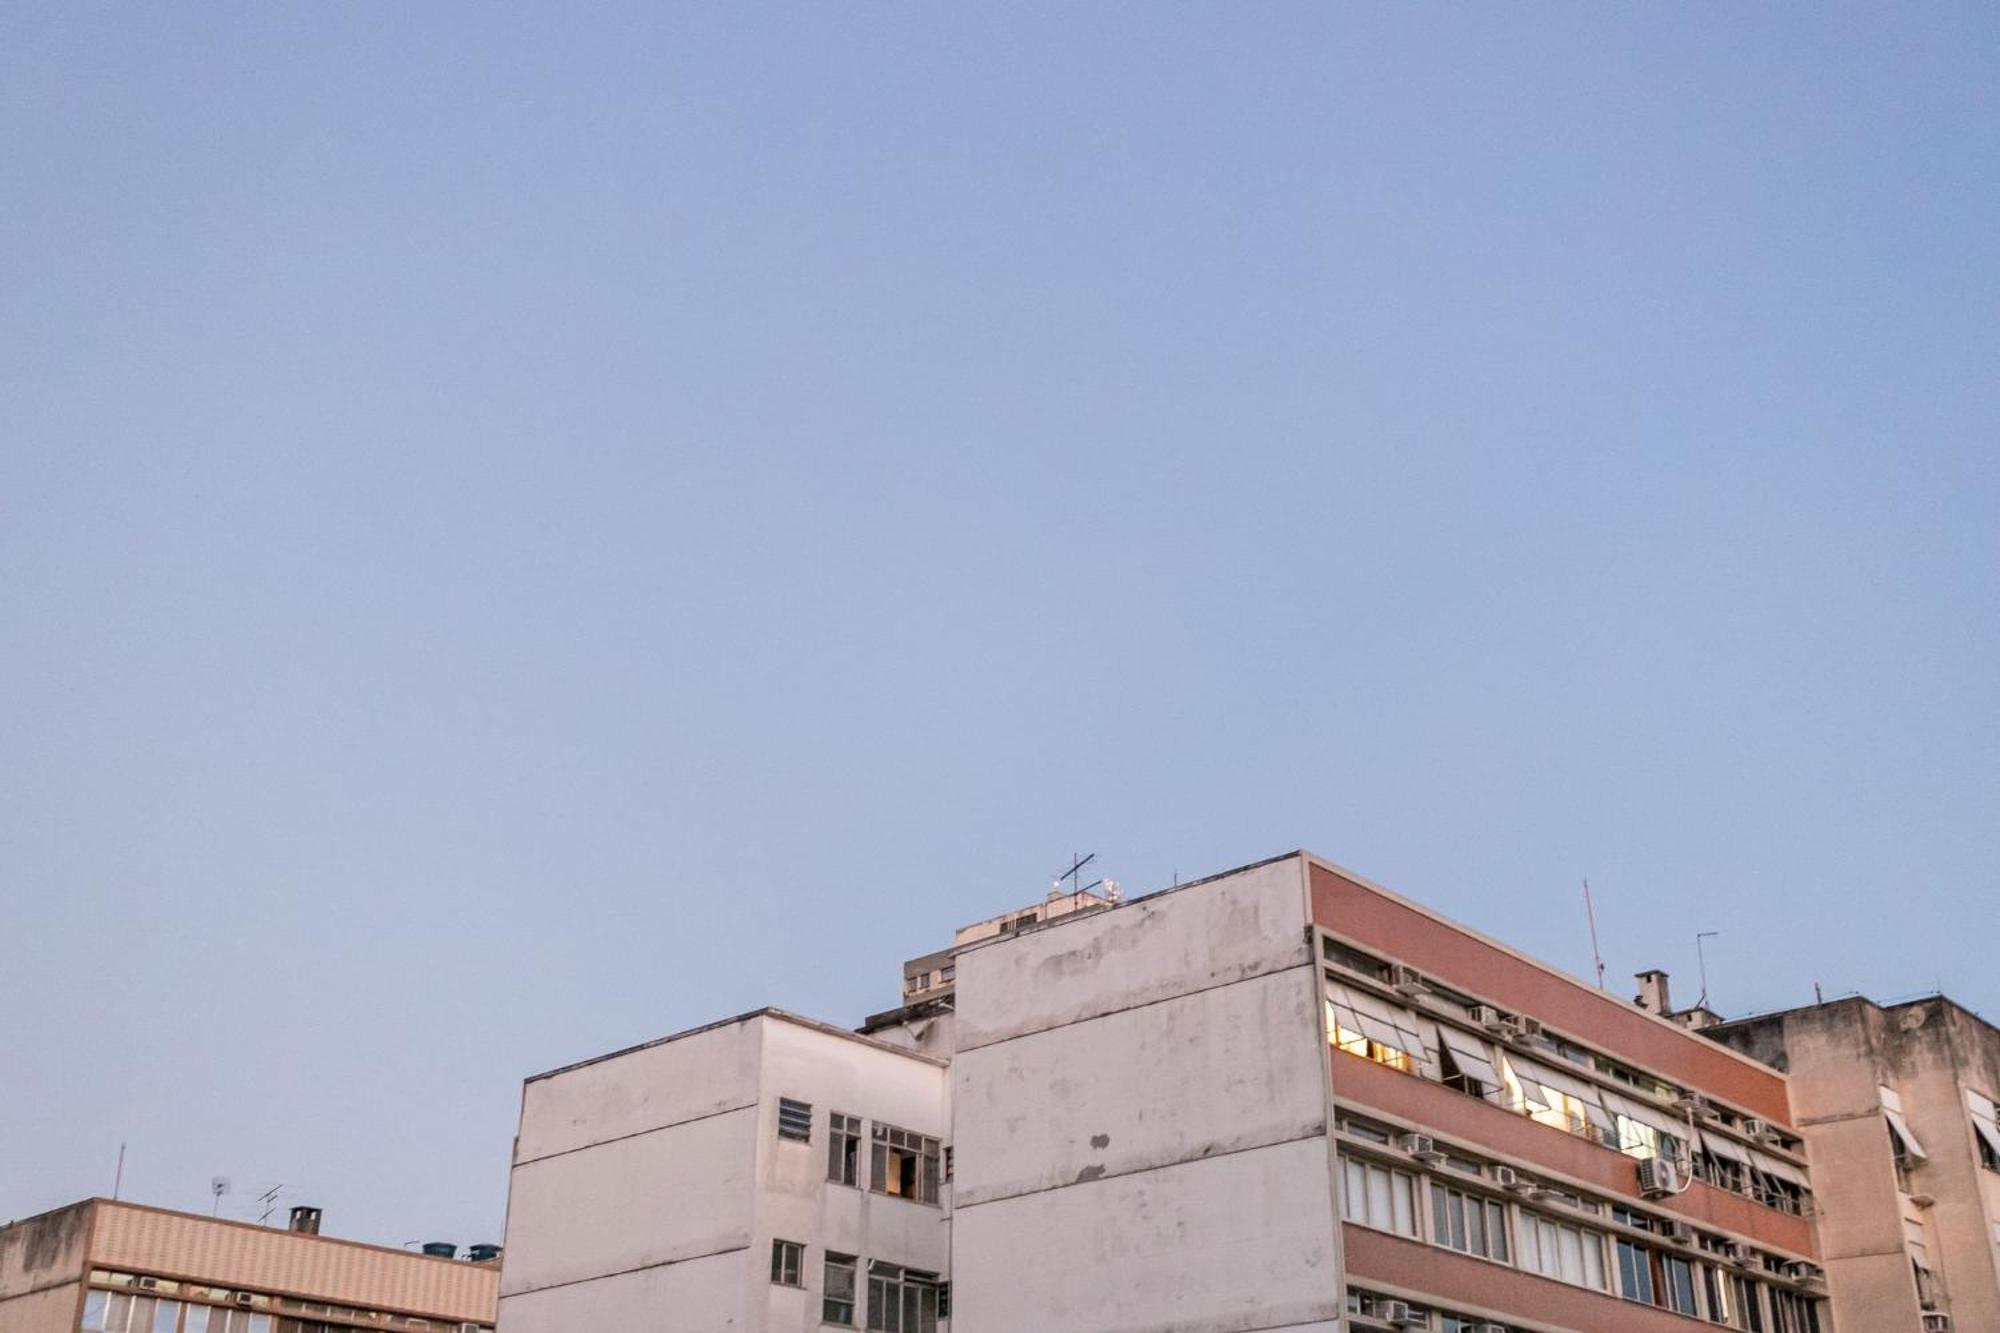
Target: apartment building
1896,1103
1281,1098
760,1174
1285,1098
108,1267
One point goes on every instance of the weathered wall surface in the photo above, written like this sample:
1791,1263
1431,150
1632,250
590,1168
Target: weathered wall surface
628,1169
701,1296
41,1268
1140,1105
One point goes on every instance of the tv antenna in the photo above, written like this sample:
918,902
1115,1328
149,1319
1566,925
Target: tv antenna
1075,875
269,1198
1702,958
218,1187
1590,911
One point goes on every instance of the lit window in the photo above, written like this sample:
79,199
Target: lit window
905,1164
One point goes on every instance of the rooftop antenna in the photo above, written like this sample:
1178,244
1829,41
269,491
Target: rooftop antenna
1075,874
269,1198
1702,1003
219,1186
1590,911
118,1178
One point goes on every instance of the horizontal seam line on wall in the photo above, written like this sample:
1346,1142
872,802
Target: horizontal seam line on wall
624,1272
1319,1133
1143,1004
636,1134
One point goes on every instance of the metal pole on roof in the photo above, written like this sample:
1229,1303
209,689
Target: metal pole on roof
1590,911
1702,1003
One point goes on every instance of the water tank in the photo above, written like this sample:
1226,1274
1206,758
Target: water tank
440,1249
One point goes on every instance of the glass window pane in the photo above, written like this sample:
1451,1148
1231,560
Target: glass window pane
1475,1227
93,1311
196,1321
1352,1189
1406,1205
1440,1216
1496,1231
166,1317
1379,1207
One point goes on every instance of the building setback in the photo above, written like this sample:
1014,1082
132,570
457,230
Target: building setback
1897,1105
1279,1099
108,1267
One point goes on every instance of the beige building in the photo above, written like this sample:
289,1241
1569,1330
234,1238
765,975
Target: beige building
106,1267
1896,1104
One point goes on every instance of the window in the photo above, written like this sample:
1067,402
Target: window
1561,1251
1635,1272
1378,1197
843,1149
1677,1283
788,1262
837,1291
795,1120
904,1164
1749,1303
1985,1128
1793,1313
197,1319
1374,1029
1468,1223
901,1300
94,1306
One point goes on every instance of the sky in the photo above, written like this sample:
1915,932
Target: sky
527,528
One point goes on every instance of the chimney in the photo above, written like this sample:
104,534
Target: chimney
305,1220
1652,995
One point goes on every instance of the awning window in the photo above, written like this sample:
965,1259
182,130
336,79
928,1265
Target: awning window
1784,1171
1378,1020
1719,1145
1984,1122
1659,1121
1575,1095
1473,1057
1900,1129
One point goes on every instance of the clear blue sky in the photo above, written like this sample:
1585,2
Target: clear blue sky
525,528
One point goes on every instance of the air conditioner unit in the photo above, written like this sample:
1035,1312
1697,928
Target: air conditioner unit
1736,1252
1548,1194
1420,1146
1680,1233
1401,1314
1936,1321
1507,1178
1691,1103
1407,981
1528,1029
146,1283
245,1298
1486,1016
1759,1130
1658,1178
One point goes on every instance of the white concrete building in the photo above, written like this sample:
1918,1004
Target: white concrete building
765,1174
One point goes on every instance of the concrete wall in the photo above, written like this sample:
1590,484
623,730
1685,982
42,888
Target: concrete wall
631,1202
41,1269
649,1186
1838,1057
1140,1103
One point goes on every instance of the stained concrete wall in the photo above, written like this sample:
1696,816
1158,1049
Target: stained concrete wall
41,1267
1839,1056
1140,1104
